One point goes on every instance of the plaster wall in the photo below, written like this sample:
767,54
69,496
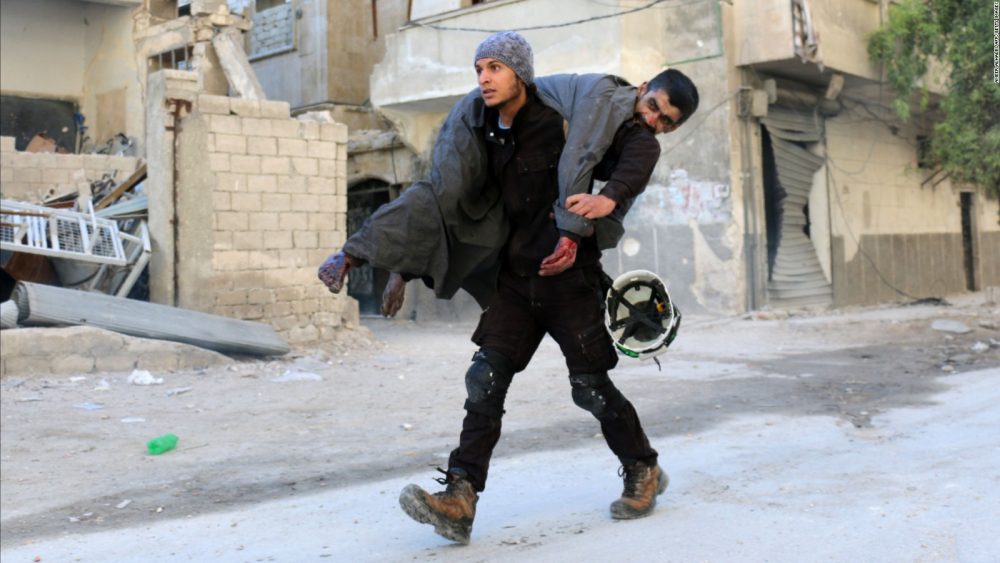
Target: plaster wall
895,236
42,50
112,97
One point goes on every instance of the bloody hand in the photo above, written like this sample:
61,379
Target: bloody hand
561,259
334,270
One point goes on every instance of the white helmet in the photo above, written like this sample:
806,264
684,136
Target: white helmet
640,316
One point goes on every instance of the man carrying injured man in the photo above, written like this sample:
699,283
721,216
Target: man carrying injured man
508,216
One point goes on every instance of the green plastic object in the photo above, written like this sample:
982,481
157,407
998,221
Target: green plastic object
162,444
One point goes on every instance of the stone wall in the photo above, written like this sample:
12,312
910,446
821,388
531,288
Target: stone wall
276,188
30,177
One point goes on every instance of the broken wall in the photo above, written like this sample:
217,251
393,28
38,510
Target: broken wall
258,202
31,176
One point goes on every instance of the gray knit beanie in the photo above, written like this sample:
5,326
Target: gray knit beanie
512,50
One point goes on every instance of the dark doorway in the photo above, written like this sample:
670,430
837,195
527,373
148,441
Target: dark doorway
774,195
366,283
968,240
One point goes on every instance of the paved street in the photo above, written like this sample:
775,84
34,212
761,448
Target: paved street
860,435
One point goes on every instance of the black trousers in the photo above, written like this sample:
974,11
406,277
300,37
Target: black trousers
570,308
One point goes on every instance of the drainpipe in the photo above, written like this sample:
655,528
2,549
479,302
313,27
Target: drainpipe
177,106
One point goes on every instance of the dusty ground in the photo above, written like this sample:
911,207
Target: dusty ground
389,404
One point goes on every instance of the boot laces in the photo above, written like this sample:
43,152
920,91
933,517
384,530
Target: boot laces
632,475
450,480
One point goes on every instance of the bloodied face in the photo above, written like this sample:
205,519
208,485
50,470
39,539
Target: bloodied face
656,111
498,83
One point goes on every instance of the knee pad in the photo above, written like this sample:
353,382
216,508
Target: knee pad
596,393
487,382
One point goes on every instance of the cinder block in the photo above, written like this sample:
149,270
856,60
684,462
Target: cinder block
257,127
249,312
284,323
114,362
322,149
289,128
305,239
232,221
292,221
275,165
19,364
71,161
249,279
293,147
55,175
244,107
261,183
208,103
218,162
322,186
305,166
342,154
222,240
233,144
265,220
157,362
335,132
246,202
328,168
302,335
277,309
293,293
292,184
234,297
7,144
28,175
277,109
230,260
330,203
310,130
276,202
232,182
274,240
319,222
72,363
260,296
262,146
248,164
6,174
229,124
305,202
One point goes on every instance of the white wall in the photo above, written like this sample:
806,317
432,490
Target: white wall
42,47
112,96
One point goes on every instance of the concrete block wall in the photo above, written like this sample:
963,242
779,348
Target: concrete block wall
273,31
30,177
278,195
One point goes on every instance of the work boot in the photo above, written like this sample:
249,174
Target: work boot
392,297
642,484
450,511
335,268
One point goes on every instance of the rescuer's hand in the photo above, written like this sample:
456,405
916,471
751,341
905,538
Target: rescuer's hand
590,206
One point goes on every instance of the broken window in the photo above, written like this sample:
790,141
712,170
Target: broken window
179,59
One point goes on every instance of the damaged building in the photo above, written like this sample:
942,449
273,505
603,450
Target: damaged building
240,199
794,185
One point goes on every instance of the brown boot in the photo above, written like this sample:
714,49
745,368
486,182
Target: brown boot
335,268
642,484
450,511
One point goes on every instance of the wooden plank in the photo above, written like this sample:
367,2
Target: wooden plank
42,305
128,184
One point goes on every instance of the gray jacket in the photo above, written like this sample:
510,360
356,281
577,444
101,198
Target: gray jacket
451,228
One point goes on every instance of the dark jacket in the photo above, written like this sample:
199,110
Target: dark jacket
451,228
522,163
